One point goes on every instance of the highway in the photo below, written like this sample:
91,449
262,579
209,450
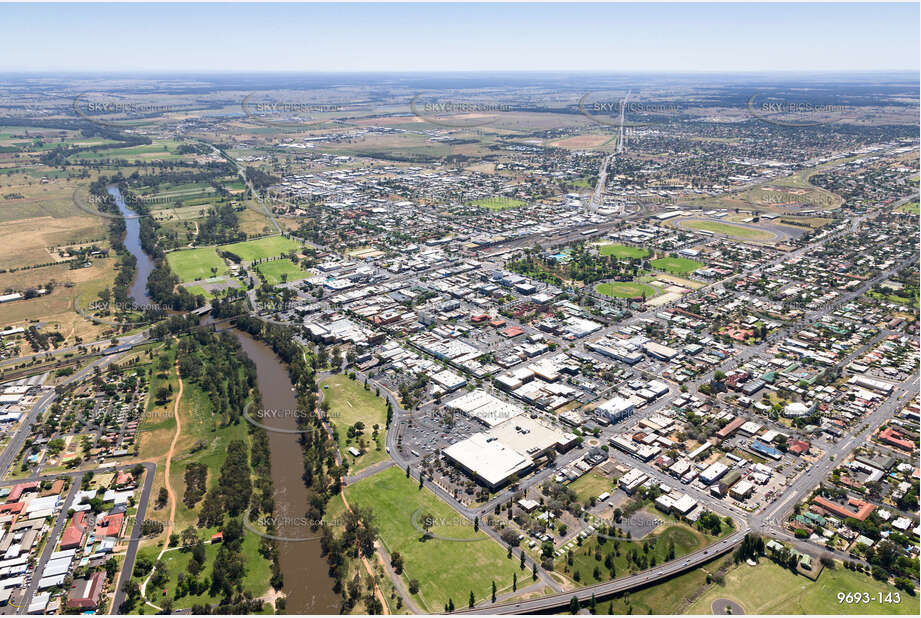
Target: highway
622,584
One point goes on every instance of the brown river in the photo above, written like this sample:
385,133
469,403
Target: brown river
308,586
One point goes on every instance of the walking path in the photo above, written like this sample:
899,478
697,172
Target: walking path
169,489
377,589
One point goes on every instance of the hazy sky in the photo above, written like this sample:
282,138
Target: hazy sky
460,37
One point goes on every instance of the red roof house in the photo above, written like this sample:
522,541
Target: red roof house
73,533
110,525
893,438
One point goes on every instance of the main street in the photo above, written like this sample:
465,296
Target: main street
767,520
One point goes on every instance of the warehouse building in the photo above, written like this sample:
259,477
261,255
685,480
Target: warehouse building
657,350
485,408
616,408
507,449
713,473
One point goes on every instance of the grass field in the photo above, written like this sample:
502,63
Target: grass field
678,266
157,150
770,589
198,427
685,539
623,251
626,289
498,203
591,485
445,569
255,580
195,264
273,271
203,439
910,207
349,403
56,310
735,231
669,597
270,246
895,298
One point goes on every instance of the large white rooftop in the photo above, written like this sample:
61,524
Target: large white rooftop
484,407
488,458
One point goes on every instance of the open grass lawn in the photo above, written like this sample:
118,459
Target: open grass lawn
626,289
202,440
895,298
157,150
255,581
910,207
685,539
591,485
735,231
349,403
270,246
498,203
445,569
676,265
770,589
273,271
195,264
623,251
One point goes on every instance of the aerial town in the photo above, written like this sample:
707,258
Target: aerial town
421,345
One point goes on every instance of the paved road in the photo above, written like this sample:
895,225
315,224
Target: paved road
76,481
15,445
100,343
134,539
599,186
50,545
622,584
771,518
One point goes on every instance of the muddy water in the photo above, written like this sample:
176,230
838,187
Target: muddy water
307,583
144,265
